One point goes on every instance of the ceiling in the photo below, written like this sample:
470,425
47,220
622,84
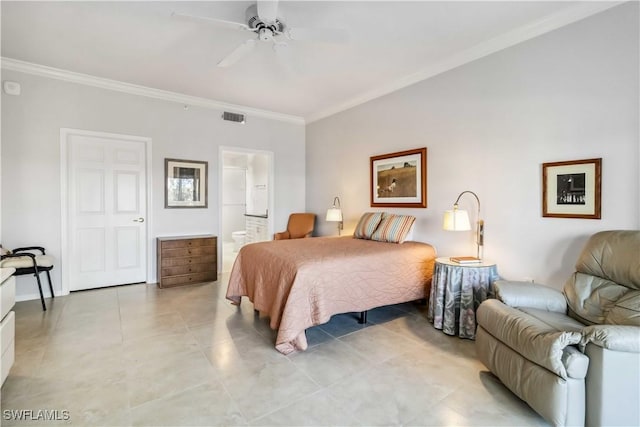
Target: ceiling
391,44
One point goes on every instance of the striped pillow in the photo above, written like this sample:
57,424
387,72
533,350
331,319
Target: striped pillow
368,223
393,228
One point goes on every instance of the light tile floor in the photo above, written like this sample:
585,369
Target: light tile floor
228,256
139,355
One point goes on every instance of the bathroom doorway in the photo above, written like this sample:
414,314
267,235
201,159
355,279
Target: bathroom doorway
246,200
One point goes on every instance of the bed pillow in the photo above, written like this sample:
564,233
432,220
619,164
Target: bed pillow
393,228
409,236
368,223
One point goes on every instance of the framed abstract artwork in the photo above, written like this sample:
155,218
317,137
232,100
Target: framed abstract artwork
399,179
185,183
572,189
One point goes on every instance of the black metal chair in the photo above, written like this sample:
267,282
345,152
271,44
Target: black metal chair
26,262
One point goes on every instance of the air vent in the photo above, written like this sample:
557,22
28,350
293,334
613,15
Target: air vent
233,117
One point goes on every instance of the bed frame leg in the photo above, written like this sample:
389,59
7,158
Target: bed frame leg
363,317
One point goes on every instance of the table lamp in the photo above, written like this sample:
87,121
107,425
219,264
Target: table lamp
458,220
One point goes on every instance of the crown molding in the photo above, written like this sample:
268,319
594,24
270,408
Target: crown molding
508,39
511,38
132,89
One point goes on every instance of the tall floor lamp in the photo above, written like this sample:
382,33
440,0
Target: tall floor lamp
458,220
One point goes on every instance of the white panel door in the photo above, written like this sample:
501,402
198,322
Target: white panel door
106,195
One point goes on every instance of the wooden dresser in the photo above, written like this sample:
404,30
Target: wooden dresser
183,260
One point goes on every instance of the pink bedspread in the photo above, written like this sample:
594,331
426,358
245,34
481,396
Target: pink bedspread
303,282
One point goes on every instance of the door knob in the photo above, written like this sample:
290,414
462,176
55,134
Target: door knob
139,220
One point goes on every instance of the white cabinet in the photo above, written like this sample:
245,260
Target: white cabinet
7,338
7,324
257,229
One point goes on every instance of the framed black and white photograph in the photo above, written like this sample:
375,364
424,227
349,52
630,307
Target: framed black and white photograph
185,184
572,189
399,179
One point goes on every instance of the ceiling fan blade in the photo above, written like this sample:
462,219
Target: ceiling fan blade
238,53
268,10
214,21
325,35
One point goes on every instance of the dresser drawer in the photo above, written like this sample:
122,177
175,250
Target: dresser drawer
173,262
185,279
189,252
7,295
187,269
6,361
188,243
7,331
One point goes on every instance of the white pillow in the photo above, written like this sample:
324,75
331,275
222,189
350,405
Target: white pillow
409,236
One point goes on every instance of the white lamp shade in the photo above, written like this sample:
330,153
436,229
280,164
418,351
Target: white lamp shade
334,215
456,220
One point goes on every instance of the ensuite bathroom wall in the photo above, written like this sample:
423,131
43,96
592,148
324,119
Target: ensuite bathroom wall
245,202
233,200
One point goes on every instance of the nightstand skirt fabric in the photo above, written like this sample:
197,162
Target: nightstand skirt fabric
456,293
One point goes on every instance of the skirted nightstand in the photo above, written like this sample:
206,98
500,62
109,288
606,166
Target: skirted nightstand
456,292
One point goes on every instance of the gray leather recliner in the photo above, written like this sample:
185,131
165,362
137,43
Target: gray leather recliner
573,356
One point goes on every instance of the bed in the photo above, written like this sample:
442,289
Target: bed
303,282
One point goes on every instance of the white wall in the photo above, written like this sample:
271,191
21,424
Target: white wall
31,157
234,200
489,125
258,184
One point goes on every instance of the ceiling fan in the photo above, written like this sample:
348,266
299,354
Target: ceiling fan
263,20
